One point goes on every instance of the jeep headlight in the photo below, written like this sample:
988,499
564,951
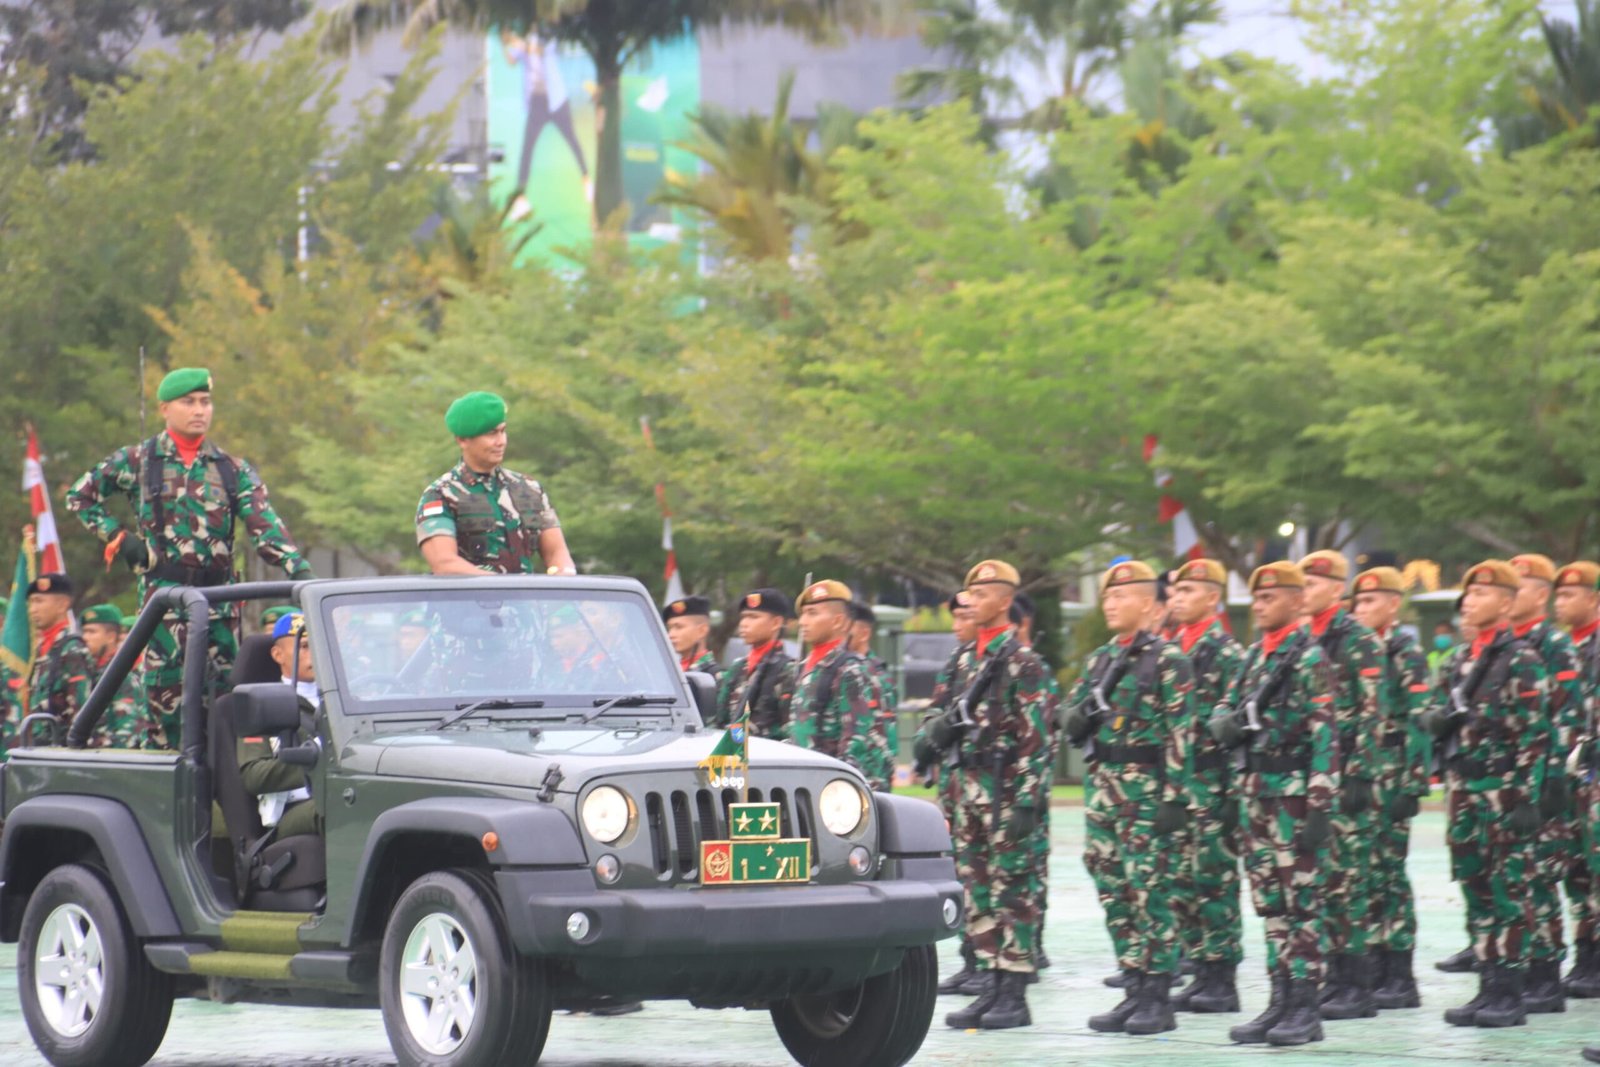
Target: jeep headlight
843,807
607,812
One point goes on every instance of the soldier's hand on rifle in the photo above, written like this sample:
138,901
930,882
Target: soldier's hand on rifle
926,752
1437,722
1171,817
1079,724
1023,822
1555,798
1314,832
1524,820
1405,806
942,732
1355,796
1227,727
135,554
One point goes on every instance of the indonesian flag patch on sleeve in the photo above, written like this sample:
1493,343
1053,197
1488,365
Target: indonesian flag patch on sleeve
432,509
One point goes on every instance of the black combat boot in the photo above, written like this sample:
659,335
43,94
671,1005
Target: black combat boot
1543,995
1584,980
1506,1005
1332,978
1219,994
1154,1013
1467,1014
1116,981
1461,963
1180,1001
1115,1020
957,983
1254,1032
967,1018
1010,1008
1301,1023
1040,960
1353,1000
1399,989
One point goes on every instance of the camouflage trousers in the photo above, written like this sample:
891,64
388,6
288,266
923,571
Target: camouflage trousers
1589,813
1493,866
1391,904
163,672
1205,894
1559,862
1001,882
1041,852
1348,882
1133,872
1285,885
947,789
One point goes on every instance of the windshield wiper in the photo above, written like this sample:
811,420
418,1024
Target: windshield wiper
631,700
492,704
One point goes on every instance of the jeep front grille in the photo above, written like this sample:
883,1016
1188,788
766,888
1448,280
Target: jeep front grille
677,822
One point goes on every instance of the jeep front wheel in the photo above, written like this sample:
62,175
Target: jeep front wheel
88,994
879,1023
454,991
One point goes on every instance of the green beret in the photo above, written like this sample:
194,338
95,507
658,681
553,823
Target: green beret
105,614
274,613
474,414
128,621
182,382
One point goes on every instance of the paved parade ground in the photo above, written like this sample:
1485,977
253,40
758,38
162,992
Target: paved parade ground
208,1035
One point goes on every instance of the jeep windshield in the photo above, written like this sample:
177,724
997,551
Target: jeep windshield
522,652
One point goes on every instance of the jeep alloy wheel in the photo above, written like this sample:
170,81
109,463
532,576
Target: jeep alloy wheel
439,984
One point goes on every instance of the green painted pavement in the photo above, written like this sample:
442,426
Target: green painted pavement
670,1035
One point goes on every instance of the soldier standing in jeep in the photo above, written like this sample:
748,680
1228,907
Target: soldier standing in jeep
479,517
187,494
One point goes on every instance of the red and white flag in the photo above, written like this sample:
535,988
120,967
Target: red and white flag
44,521
1185,538
674,579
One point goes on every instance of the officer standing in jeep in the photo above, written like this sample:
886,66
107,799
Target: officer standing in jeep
187,494
479,517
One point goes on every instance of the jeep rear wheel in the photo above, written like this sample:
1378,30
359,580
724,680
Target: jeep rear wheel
454,991
880,1023
88,994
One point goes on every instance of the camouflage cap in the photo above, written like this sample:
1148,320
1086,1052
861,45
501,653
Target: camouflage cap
825,592
1128,572
182,382
1326,563
1492,572
1579,572
1279,575
993,572
1533,565
1201,570
102,615
1380,580
688,607
475,414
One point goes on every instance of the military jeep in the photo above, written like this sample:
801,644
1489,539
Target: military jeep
518,810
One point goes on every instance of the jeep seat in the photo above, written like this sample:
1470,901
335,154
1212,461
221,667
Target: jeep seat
268,874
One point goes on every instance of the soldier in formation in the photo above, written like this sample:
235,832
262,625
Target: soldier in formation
886,688
60,676
187,497
758,688
833,709
103,633
1133,715
688,629
1577,606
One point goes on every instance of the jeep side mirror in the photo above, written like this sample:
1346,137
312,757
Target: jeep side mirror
265,708
704,688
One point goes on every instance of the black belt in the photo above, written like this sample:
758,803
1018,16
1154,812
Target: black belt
196,576
1278,764
1394,741
1211,761
1468,767
1143,754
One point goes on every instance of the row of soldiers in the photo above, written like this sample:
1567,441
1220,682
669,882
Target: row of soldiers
1305,756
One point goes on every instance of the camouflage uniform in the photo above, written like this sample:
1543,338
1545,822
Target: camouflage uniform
1503,751
123,716
1142,753
193,546
1405,750
833,711
495,518
1586,649
1558,853
773,681
705,663
59,680
887,697
1206,889
1354,660
1002,767
1292,772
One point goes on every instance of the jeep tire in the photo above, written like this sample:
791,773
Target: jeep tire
89,996
454,991
880,1023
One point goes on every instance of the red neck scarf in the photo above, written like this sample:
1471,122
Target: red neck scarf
1583,633
821,651
1522,629
1189,634
758,654
1127,639
1273,638
48,639
188,447
688,661
1320,621
1484,639
986,636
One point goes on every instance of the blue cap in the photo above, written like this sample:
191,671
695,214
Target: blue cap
288,625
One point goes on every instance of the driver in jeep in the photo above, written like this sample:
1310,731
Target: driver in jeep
281,788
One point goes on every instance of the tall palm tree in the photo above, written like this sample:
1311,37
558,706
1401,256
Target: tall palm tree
1566,98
